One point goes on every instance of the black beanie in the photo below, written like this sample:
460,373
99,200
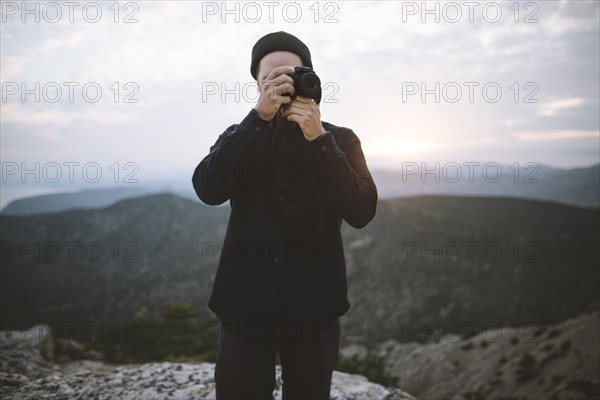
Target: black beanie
278,41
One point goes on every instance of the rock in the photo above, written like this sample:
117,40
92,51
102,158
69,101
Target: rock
173,381
68,349
79,379
357,387
564,363
21,352
8,382
358,350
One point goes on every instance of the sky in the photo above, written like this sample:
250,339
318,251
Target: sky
102,93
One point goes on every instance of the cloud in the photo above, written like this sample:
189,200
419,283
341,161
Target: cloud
69,39
367,55
40,117
555,135
555,107
397,146
514,121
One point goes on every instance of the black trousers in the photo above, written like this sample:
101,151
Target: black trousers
246,357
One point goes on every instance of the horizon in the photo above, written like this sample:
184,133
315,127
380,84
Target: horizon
16,192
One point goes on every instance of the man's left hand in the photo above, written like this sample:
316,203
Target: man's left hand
305,112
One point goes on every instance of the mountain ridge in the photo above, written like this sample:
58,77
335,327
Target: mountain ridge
577,186
163,247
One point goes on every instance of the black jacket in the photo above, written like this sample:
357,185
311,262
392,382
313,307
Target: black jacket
282,258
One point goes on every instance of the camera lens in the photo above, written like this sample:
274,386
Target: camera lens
310,85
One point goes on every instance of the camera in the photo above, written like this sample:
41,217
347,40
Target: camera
306,83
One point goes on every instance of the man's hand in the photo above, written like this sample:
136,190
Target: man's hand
305,112
271,94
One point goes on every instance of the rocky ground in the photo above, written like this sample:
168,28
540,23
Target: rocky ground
529,363
35,365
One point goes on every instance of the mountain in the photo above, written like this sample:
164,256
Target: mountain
109,264
578,186
84,199
461,264
559,361
425,264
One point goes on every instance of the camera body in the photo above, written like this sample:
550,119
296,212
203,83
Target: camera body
306,84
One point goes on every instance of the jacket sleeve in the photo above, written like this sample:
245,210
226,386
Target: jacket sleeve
216,176
344,177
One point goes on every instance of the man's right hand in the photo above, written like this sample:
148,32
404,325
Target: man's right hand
271,92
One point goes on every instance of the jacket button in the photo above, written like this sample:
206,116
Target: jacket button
281,198
276,259
284,141
258,128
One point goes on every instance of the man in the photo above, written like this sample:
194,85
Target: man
280,286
